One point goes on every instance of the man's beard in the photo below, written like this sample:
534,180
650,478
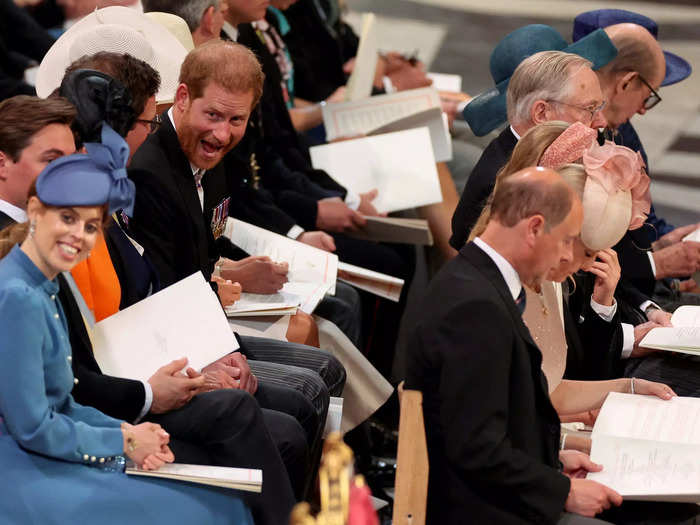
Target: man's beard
190,141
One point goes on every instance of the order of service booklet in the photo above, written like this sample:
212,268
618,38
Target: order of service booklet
649,447
228,477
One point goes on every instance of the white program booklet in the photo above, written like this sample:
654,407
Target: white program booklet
347,119
306,263
649,448
683,337
400,165
304,296
247,479
377,283
182,320
359,84
445,82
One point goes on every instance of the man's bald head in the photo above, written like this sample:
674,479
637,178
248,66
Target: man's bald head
626,81
532,191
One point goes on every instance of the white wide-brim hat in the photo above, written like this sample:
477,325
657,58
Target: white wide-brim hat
606,216
175,25
119,30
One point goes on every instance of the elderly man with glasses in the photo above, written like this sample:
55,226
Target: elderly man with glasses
630,83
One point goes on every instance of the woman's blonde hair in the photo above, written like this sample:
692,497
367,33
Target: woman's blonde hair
527,152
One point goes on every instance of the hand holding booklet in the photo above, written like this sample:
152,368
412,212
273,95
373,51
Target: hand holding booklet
683,337
649,447
182,320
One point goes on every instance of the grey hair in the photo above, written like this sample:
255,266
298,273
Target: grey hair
542,76
191,11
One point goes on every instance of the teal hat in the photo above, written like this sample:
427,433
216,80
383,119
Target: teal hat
93,179
487,111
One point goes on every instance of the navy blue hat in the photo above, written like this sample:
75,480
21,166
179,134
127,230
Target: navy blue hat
92,179
677,68
487,111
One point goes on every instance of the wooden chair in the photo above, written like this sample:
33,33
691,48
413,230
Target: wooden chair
411,488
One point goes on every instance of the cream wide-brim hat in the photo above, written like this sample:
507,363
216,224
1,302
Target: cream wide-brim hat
119,30
175,25
606,216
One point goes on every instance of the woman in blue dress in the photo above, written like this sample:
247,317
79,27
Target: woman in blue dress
61,461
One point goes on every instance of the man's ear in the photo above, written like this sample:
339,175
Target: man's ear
207,23
624,82
182,97
534,228
539,112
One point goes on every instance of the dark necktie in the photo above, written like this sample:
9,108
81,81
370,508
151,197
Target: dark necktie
521,300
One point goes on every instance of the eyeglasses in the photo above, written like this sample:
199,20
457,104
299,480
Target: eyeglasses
653,99
154,124
592,110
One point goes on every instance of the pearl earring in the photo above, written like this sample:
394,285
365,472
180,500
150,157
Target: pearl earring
32,228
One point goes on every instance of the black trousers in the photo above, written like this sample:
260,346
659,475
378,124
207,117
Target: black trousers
228,428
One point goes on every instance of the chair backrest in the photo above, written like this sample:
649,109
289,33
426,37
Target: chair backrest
411,489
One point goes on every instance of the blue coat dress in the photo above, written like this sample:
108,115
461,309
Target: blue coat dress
55,453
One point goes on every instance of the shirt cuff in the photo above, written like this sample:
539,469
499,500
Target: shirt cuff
651,262
353,200
295,231
627,340
646,304
147,402
388,85
606,313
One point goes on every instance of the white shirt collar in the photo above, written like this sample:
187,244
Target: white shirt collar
230,31
18,214
515,133
194,168
509,274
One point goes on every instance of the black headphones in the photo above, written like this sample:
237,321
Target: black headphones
97,98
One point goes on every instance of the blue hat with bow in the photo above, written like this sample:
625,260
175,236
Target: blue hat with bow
677,68
92,179
487,111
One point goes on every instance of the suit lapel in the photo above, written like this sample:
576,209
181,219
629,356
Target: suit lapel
5,220
485,265
184,182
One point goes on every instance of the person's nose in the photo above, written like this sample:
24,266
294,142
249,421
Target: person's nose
599,120
222,133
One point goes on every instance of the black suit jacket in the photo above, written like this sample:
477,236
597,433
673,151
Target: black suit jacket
594,345
5,220
479,186
318,51
168,220
286,170
492,432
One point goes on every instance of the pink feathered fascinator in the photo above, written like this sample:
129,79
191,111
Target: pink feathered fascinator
569,146
616,193
617,168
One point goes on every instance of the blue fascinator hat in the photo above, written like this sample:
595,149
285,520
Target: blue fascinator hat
93,179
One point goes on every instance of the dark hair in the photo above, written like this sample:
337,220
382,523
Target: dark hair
228,64
140,79
516,199
21,117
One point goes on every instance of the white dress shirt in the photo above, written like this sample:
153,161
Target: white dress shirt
15,213
509,274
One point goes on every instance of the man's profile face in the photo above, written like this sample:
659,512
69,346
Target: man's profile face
16,176
138,134
624,105
211,125
555,248
584,95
